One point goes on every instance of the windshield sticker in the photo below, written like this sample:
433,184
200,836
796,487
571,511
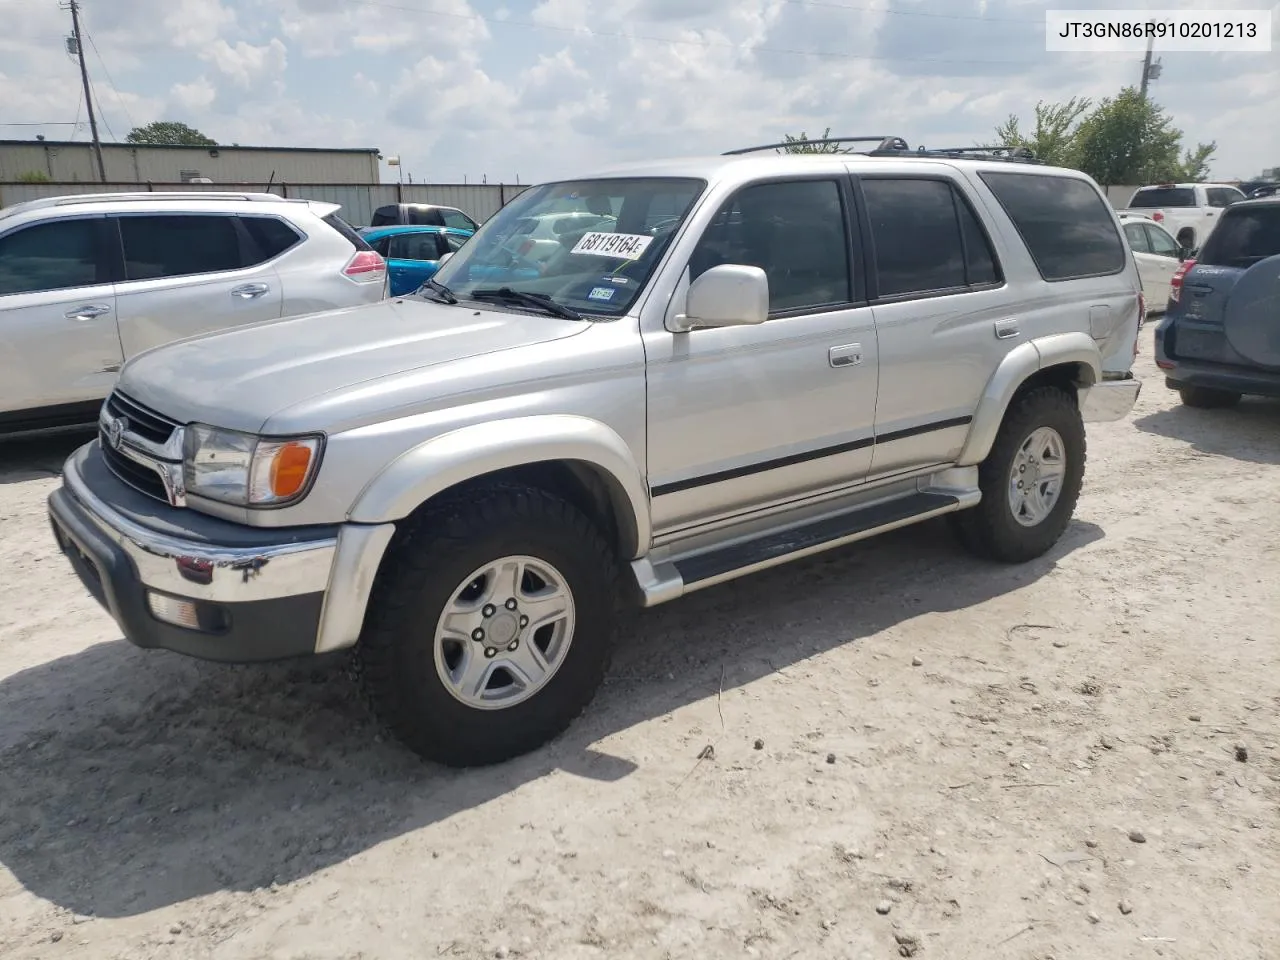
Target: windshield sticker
601,293
621,280
625,246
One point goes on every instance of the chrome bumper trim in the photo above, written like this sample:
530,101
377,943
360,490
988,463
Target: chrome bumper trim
1109,400
235,574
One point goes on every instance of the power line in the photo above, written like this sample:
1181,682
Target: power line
670,41
105,122
914,13
47,123
110,80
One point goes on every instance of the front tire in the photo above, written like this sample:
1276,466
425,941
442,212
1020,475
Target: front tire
1030,481
491,626
1207,398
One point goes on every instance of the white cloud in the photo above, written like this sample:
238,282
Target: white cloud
194,97
246,64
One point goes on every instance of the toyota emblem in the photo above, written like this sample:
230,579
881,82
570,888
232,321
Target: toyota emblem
115,431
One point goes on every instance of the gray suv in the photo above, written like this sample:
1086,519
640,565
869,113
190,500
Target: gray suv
86,282
753,359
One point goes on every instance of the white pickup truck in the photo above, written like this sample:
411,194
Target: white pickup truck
1189,211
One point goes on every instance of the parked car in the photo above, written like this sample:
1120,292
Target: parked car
1218,342
767,356
1188,211
86,282
422,215
413,254
1158,256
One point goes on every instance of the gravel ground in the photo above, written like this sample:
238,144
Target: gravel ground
912,753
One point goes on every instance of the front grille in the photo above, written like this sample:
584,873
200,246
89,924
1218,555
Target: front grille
143,421
141,478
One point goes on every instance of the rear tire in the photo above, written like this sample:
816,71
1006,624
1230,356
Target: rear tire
1208,398
1030,481
490,628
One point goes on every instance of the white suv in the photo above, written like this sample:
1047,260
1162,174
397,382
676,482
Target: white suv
87,282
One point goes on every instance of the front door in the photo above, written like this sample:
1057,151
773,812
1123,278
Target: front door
744,417
58,336
412,260
189,273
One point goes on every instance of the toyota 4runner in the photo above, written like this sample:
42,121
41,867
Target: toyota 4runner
749,359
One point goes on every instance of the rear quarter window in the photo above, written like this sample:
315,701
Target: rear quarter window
1068,228
348,231
1151,197
1243,237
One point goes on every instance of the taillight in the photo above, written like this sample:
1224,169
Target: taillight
1175,284
366,266
1142,318
1158,217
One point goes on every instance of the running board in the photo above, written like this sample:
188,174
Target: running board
666,581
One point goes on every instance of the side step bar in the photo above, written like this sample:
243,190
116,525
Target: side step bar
686,574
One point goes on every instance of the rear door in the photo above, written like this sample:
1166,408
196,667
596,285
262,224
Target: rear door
1162,264
190,273
1148,268
58,332
412,259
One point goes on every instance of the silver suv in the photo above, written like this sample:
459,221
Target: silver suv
757,358
87,282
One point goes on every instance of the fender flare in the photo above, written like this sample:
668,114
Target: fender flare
1020,363
442,462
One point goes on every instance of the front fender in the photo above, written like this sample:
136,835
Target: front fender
468,452
1020,363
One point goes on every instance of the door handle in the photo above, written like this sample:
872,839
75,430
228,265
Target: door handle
1007,329
90,311
250,291
848,355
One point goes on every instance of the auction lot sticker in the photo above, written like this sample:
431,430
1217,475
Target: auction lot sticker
624,246
1173,31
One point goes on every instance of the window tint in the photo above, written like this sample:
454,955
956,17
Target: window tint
383,246
1161,242
455,243
272,237
1137,237
385,216
980,259
458,220
415,246
421,215
178,245
794,232
1149,197
1222,196
1067,226
49,256
1245,236
344,228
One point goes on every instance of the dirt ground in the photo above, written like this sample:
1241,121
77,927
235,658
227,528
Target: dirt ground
914,753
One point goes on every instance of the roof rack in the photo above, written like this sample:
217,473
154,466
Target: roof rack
885,143
170,195
897,147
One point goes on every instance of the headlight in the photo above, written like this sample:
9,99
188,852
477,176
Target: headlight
246,470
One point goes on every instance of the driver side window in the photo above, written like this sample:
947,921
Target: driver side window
1161,242
794,231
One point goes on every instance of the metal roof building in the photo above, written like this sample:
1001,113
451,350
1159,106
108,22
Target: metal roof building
73,161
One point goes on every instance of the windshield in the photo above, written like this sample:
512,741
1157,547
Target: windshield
590,245
1164,197
1244,237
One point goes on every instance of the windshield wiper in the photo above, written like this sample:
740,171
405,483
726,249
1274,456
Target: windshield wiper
442,293
539,300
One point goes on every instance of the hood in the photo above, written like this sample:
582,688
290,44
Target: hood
238,378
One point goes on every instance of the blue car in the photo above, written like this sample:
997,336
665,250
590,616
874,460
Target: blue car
413,253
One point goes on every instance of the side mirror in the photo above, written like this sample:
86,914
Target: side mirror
730,295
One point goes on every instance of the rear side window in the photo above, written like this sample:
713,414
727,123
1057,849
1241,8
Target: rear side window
458,220
424,216
272,237
1149,197
1222,196
926,238
1068,228
385,216
1245,236
415,246
59,255
347,231
1137,238
1161,242
179,245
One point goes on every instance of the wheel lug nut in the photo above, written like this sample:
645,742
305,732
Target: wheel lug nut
490,652
489,610
524,621
477,634
513,644
511,603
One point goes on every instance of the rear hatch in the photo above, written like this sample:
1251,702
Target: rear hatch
1228,308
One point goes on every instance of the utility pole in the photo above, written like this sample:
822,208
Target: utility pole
88,94
1150,71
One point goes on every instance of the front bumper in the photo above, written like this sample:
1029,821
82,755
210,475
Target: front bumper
1109,400
255,594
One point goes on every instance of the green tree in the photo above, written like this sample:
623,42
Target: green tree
1129,139
1054,137
171,133
802,144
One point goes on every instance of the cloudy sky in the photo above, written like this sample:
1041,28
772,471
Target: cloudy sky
540,88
